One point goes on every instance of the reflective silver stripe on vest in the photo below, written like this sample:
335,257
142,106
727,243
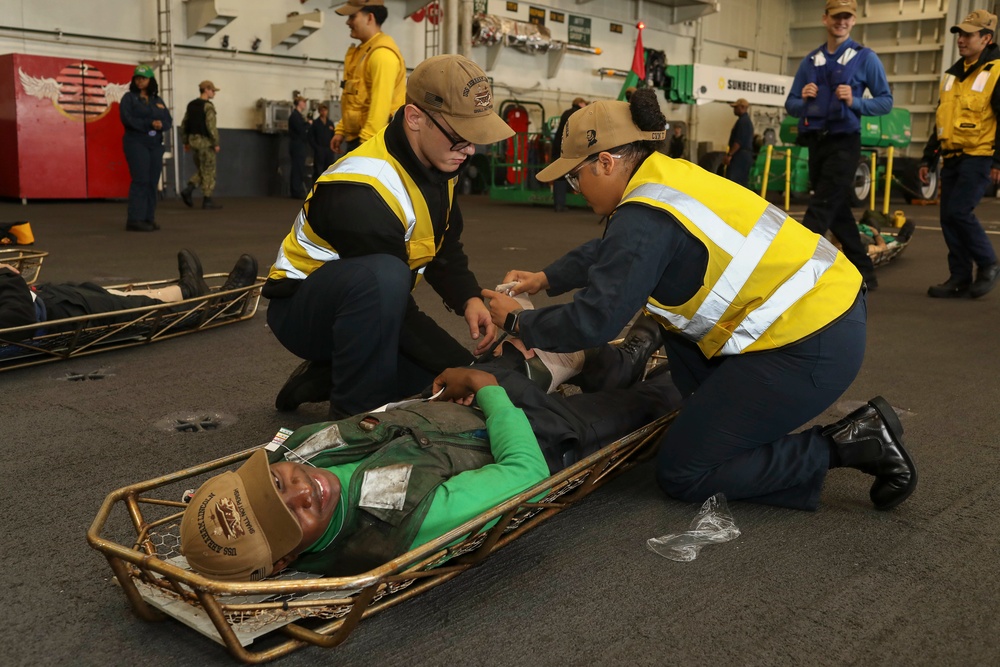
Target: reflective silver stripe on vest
382,171
793,289
313,251
746,253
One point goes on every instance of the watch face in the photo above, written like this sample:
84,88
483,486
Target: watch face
510,323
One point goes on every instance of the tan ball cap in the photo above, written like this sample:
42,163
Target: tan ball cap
976,21
460,91
237,526
599,127
355,6
834,7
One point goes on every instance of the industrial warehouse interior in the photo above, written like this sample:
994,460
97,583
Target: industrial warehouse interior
105,404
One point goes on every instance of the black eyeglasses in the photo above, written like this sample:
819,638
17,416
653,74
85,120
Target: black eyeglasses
573,177
457,143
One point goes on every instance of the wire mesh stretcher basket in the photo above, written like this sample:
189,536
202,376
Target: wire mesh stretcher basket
72,337
27,262
138,531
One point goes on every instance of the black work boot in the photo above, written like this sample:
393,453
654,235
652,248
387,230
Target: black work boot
244,273
192,279
207,203
186,195
870,439
953,288
986,279
643,339
311,382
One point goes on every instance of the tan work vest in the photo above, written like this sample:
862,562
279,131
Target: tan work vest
769,281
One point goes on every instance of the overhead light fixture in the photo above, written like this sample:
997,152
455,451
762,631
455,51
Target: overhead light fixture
256,43
225,41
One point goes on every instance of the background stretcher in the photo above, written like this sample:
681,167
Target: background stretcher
89,334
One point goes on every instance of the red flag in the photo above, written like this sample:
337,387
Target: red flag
639,59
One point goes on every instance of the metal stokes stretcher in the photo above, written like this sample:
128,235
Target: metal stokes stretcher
72,337
261,621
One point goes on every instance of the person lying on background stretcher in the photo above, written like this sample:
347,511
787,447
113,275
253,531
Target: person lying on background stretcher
21,304
351,495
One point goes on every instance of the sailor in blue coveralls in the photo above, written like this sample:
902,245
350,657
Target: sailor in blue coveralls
826,97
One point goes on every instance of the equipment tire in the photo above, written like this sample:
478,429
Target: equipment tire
861,189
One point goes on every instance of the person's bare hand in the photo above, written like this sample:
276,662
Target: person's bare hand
527,281
461,384
995,175
809,90
845,93
500,306
335,142
481,327
8,266
923,172
218,148
157,125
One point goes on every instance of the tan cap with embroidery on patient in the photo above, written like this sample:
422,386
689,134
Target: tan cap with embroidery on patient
460,91
237,526
598,127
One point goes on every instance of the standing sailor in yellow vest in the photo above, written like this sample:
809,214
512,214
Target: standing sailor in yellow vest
764,319
966,136
374,82
376,221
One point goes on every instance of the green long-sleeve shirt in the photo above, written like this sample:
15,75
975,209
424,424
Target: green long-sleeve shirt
518,465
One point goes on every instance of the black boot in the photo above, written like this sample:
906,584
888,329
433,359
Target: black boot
140,226
643,339
207,203
870,439
311,382
192,278
186,195
953,288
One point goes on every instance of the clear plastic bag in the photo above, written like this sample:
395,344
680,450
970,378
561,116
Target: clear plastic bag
713,525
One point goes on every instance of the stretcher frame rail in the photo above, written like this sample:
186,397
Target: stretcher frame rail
27,262
323,611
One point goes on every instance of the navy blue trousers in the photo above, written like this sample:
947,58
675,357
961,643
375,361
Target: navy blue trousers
297,152
732,435
964,180
833,160
738,170
357,313
145,162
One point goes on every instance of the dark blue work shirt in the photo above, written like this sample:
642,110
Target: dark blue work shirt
645,251
137,115
742,133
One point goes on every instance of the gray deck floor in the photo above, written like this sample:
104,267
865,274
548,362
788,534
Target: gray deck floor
842,586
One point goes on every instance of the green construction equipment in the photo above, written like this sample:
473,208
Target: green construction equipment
878,133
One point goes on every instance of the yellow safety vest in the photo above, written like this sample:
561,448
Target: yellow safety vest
965,119
303,251
356,97
769,281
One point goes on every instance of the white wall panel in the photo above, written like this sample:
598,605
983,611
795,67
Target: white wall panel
757,26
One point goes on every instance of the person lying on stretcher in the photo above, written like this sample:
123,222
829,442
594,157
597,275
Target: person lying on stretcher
21,304
348,496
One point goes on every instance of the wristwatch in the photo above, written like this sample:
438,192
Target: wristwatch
510,324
